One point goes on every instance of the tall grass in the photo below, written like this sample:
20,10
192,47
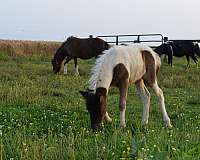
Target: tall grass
42,115
19,47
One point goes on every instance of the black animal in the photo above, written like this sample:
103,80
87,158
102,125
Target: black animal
73,48
179,48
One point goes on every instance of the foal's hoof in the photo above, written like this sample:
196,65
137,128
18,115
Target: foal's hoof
108,119
122,125
144,125
169,126
76,74
144,122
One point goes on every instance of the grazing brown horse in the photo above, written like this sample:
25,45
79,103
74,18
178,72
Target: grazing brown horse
74,48
119,66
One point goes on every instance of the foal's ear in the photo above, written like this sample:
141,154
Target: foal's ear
84,94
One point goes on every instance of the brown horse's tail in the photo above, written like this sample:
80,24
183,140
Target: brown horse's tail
197,49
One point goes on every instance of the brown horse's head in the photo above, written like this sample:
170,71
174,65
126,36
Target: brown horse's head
56,65
96,106
58,58
106,45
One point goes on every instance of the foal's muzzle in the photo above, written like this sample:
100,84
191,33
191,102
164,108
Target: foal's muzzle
96,127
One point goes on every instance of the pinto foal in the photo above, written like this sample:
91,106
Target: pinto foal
135,64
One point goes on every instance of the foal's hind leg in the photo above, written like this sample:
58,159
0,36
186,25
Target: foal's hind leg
76,67
65,65
160,96
145,96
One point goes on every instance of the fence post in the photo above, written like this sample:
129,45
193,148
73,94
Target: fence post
90,36
165,39
117,40
138,39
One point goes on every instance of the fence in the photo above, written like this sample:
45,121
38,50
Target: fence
189,40
135,38
138,38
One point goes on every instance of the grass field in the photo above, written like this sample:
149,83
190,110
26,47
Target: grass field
42,115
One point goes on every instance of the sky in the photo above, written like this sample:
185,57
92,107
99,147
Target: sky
56,20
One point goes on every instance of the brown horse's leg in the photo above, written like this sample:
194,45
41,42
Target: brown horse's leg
123,87
145,96
65,64
76,66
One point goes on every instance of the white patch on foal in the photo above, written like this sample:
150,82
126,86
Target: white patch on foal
122,118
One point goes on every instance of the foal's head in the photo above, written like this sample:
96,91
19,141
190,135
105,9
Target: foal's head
96,106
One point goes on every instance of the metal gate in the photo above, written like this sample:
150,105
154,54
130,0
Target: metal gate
134,38
139,38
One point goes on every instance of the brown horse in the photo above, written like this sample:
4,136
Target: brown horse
74,48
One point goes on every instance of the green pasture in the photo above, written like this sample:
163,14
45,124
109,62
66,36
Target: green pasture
43,116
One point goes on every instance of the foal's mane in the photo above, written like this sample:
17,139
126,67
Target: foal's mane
96,70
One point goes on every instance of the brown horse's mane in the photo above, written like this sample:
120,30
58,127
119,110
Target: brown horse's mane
67,40
63,44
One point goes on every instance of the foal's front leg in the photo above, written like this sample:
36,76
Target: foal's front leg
107,118
123,87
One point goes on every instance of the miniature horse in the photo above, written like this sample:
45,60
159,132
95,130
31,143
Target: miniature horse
74,48
119,66
179,48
